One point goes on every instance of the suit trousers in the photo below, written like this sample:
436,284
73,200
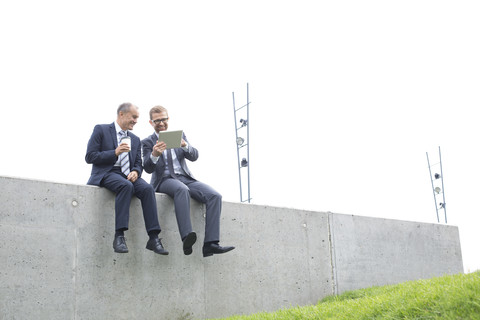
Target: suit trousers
124,190
181,189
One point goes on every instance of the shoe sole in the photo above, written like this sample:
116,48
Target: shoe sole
189,242
209,254
165,253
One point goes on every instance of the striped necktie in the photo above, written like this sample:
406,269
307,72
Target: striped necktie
124,161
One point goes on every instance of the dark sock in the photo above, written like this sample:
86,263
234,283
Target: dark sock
153,234
210,242
119,233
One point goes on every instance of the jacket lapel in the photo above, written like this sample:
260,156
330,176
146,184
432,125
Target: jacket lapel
114,134
154,140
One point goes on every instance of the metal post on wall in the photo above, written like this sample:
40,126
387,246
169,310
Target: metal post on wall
243,145
438,186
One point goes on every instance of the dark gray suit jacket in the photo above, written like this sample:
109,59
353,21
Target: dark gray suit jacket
157,170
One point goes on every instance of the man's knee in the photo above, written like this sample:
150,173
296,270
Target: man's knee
126,186
143,188
217,196
181,189
149,189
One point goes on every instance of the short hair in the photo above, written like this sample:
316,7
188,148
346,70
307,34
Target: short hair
124,107
157,109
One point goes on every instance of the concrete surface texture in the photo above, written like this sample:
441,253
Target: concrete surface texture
57,260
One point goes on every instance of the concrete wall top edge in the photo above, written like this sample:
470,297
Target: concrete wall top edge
245,205
391,219
44,180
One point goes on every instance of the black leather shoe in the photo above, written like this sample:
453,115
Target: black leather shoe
156,246
188,242
214,248
119,244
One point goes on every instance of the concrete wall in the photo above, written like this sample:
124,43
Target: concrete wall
371,251
57,261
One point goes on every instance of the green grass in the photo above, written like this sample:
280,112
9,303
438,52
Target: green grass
447,297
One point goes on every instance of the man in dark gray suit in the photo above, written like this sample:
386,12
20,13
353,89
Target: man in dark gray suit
117,166
170,175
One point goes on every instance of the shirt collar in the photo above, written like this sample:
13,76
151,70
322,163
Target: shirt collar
118,129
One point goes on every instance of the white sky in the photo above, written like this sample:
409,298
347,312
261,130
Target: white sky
351,94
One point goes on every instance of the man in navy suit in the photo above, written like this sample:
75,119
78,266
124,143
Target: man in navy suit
171,175
117,166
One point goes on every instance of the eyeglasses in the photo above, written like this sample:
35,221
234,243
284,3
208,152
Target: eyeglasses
164,120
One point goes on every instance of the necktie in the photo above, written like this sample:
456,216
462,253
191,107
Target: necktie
124,161
170,163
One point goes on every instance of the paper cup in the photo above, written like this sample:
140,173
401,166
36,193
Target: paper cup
128,141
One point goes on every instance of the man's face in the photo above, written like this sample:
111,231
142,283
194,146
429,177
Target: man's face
126,120
159,121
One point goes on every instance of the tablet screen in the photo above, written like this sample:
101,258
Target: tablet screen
173,139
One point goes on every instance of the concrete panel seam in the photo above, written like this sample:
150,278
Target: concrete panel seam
307,256
331,239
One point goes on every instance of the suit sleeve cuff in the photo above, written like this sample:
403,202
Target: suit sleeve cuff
154,159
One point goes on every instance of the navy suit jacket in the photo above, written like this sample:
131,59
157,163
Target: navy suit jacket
157,170
101,152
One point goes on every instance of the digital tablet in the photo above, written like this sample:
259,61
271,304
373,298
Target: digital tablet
173,138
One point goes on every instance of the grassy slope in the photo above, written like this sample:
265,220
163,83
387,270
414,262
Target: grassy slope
447,297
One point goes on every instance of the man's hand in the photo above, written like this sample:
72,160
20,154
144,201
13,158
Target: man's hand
183,144
159,148
123,147
132,176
